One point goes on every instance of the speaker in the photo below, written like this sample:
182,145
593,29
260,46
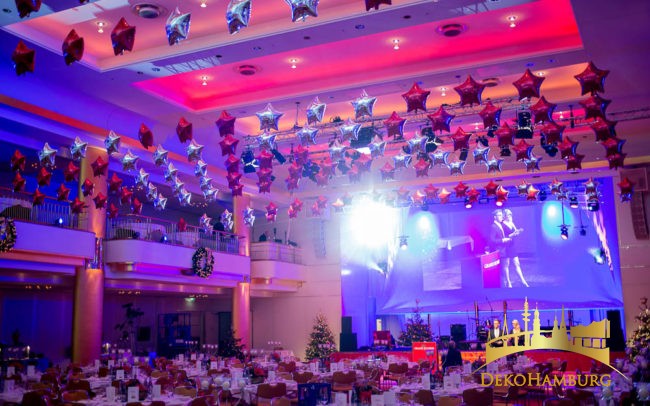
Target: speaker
348,342
615,341
458,332
346,325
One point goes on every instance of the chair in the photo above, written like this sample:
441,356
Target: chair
303,377
102,372
78,385
309,393
558,402
185,391
134,404
281,402
343,381
581,397
39,397
424,397
203,401
512,393
287,366
477,397
266,392
75,395
396,372
449,401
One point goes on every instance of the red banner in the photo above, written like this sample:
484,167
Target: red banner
424,351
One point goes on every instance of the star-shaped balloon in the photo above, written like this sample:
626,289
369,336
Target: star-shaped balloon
233,179
528,85
78,149
363,105
265,159
336,151
491,188
62,193
295,170
71,172
171,172
440,120
26,7
177,27
238,13
416,144
99,167
422,168
152,192
18,182
184,130
23,58
249,216
194,151
395,126
377,147
160,156
315,111
307,135
316,210
43,177
301,9
505,135
567,147
502,195
349,130
178,186
205,182
73,47
269,118
387,172
201,168
143,178
494,165
595,106
363,162
552,132
532,163
226,217
225,123
122,37
416,98
327,167
461,139
591,187
402,196
112,143
439,158
375,4
232,164
616,160
456,168
300,155
470,91
113,211
210,194
626,189
523,150
592,79
532,193
228,145
18,161
556,187
613,145
184,197
100,201
266,140
603,129
88,187
136,206
574,162
460,189
402,160
481,154
129,160
204,223
125,195
491,115
77,206
182,225
431,192
159,202
322,179
473,195
444,196
522,188
542,111
271,212
264,186
354,175
46,156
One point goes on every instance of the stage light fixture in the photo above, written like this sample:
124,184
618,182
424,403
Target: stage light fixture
583,231
542,195
564,232
573,202
164,239
281,159
403,242
593,205
468,203
505,151
500,202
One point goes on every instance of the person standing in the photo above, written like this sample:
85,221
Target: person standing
499,240
495,332
511,231
516,329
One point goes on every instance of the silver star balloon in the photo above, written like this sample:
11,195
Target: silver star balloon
152,192
143,178
494,165
226,220
315,111
532,164
194,151
363,105
416,144
210,194
201,168
481,154
78,149
301,9
170,172
440,158
177,27
456,167
206,182
336,151
266,141
160,202
402,160
129,160
160,156
269,118
184,197
349,130
46,156
249,216
377,147
178,186
112,143
204,223
238,13
307,135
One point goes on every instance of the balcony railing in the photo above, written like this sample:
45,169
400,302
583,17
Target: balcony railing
19,206
163,231
273,251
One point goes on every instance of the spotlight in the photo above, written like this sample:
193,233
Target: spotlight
542,195
524,125
573,202
468,203
593,205
564,232
583,231
164,239
500,202
58,222
505,151
403,242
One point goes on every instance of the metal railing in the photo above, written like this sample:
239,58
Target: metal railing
136,227
273,251
19,206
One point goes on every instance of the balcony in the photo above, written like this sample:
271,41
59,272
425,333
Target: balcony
275,267
19,206
273,251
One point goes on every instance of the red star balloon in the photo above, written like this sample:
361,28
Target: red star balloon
233,179
264,174
431,192
77,206
542,111
603,129
297,204
461,139
613,145
301,155
316,210
265,159
264,186
18,182
421,168
73,48
491,115
136,206
100,201
327,167
440,120
122,37
114,183
292,183
531,193
43,177
460,189
182,225
528,85
322,179
616,160
271,212
395,126
574,162
595,106
444,195
523,150
226,124
295,170
505,135
626,189
113,211
491,188
473,195
416,98
567,147
403,195
363,162
146,136
502,195
38,198
71,172
522,188
228,145
26,7
232,164
592,79
99,167
184,130
375,4
125,195
23,58
387,172
88,187
62,193
18,161
552,132
470,91
353,174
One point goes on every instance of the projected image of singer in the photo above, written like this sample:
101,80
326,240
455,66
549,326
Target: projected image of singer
511,256
499,240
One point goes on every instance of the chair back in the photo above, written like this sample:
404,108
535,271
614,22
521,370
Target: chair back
558,402
398,369
310,393
449,401
78,385
75,395
36,398
345,378
303,377
185,391
477,397
424,397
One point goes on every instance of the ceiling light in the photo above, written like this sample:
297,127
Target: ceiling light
396,44
541,73
293,61
100,26
403,242
443,91
204,80
204,3
512,20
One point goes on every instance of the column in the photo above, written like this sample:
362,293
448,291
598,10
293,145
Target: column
240,203
87,319
241,312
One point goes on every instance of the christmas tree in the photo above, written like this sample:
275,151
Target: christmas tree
231,346
321,340
416,329
638,345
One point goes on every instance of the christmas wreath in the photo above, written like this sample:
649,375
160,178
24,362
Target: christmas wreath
7,234
202,262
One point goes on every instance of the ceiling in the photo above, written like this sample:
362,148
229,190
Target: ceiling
338,55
